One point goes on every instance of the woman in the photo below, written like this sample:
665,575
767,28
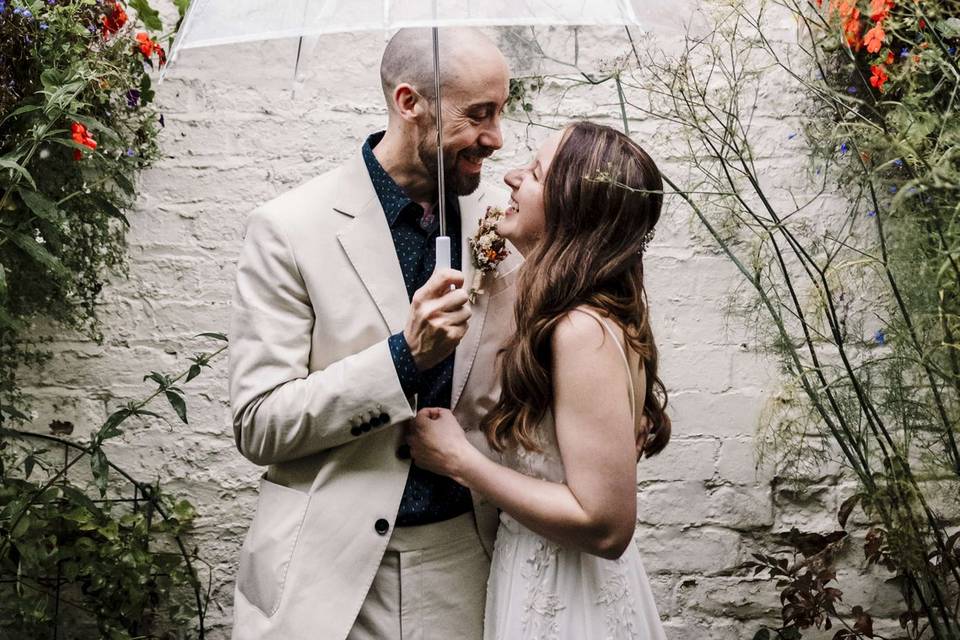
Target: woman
579,379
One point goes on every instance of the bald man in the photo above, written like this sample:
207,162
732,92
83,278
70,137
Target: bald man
340,331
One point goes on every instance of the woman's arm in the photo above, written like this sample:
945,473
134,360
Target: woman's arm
596,510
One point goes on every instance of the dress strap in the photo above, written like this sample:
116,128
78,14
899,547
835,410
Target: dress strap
623,354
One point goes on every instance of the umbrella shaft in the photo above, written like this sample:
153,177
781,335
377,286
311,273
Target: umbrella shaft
441,187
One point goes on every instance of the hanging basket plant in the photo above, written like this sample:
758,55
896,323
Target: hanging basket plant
77,125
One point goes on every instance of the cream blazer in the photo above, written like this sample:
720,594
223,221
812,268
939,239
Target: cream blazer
315,396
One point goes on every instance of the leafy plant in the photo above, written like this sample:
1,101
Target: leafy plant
77,126
110,565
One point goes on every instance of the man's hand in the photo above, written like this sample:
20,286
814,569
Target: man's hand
438,319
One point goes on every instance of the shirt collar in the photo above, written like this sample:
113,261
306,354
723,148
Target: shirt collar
392,197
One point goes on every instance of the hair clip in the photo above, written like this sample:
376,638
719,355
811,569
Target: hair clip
645,241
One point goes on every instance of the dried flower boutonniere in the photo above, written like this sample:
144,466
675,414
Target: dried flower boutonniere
488,249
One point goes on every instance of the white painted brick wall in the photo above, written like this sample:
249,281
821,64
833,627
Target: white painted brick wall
234,138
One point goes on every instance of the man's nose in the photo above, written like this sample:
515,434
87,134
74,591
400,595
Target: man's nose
491,137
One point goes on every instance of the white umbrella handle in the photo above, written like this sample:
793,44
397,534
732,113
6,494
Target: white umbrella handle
443,253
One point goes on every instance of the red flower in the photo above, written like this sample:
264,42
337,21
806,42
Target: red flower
80,135
851,23
878,77
880,9
148,47
890,57
874,39
113,21
922,24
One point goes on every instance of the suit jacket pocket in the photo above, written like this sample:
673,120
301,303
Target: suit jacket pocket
268,548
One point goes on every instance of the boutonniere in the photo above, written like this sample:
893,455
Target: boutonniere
488,249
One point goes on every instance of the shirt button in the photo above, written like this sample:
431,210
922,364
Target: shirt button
382,526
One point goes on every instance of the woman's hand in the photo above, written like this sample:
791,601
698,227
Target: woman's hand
437,442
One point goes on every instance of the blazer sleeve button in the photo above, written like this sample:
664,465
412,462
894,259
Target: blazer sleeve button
355,431
384,418
382,526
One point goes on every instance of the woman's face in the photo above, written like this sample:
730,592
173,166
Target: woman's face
524,222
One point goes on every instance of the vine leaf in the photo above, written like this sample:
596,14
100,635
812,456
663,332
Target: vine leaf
194,372
36,251
211,334
176,401
100,469
40,205
147,14
846,508
16,166
110,427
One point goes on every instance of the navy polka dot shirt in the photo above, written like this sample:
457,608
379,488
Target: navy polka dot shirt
427,497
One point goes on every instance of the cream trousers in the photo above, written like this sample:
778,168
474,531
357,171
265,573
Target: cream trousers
431,585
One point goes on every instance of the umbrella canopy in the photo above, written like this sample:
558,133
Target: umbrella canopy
217,22
222,22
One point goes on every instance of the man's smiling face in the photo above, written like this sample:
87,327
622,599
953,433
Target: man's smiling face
473,102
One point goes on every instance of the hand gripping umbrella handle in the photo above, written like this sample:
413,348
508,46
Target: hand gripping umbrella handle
443,253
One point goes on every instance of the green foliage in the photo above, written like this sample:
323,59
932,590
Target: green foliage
850,270
115,566
72,77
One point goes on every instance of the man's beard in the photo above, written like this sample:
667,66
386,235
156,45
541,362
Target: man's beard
461,185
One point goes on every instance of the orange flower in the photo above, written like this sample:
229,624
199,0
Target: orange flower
114,21
851,23
880,9
846,8
148,47
878,77
874,39
80,135
890,57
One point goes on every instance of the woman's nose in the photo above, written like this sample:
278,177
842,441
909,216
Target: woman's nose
513,178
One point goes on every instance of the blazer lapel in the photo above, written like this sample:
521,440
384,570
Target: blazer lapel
470,214
369,245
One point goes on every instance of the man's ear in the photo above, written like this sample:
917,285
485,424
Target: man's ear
409,104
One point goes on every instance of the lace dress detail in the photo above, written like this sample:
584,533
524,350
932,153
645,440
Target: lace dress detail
539,590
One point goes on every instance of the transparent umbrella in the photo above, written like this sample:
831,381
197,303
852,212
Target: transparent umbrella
221,22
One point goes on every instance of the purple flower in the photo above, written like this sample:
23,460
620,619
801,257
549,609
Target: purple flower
952,51
131,153
133,98
44,26
844,148
904,52
871,213
851,90
880,337
3,6
898,162
893,189
791,136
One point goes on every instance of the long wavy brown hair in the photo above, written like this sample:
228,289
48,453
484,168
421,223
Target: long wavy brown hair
602,195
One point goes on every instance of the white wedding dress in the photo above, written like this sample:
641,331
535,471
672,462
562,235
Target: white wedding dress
539,590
